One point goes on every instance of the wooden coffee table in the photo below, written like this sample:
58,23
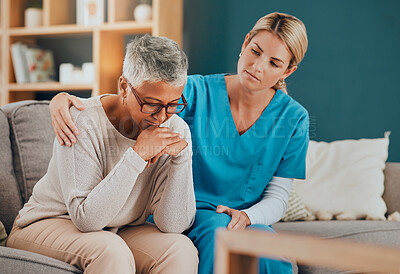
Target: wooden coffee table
238,252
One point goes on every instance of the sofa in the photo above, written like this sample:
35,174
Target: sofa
26,140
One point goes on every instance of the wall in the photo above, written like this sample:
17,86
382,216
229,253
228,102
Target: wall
347,80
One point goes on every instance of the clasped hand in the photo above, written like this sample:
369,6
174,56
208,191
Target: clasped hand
154,141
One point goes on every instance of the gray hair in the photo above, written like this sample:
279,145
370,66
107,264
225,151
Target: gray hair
155,59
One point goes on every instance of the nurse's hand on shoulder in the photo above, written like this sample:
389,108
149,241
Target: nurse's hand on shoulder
239,220
63,126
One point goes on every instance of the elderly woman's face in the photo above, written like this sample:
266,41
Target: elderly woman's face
264,61
152,93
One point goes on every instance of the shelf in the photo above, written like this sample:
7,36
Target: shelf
62,30
48,86
128,27
58,30
107,41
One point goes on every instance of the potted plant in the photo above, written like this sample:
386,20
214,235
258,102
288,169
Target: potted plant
34,14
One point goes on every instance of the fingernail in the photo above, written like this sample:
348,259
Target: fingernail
76,132
68,144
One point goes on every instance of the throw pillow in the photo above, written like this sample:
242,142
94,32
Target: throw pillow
296,210
3,235
345,179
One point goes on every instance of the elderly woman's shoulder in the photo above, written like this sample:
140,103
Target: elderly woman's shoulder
93,108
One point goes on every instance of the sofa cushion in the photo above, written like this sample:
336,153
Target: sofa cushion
345,178
32,141
296,209
392,187
3,235
375,232
20,261
10,199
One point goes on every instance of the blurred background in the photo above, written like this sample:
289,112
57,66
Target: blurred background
347,80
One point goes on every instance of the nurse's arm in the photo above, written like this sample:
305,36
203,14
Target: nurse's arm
273,205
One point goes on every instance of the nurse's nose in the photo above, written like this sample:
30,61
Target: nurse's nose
260,64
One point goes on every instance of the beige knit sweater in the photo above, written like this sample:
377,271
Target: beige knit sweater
100,182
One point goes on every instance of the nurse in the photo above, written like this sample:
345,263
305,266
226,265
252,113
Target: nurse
249,137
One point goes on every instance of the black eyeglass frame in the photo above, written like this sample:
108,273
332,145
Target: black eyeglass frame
161,106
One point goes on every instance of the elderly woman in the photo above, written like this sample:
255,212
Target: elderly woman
90,208
250,137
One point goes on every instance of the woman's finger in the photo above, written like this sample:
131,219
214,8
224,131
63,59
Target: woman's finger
60,131
59,139
70,125
241,224
155,158
176,148
77,103
223,209
234,221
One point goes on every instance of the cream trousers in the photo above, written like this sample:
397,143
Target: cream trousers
139,249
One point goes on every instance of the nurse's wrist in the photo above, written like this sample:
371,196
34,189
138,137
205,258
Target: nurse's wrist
248,221
249,217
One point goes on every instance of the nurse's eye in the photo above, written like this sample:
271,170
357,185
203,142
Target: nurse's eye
273,64
255,52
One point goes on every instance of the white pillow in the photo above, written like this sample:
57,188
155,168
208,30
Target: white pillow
296,210
345,179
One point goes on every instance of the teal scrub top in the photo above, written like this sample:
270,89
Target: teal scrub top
232,169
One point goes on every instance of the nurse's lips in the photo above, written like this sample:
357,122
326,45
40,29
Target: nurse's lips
252,76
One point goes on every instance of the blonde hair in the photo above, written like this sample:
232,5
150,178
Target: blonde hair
290,30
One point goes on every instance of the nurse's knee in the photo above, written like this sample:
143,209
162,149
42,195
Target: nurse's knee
210,226
218,220
262,227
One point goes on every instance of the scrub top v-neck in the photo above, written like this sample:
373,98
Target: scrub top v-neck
233,169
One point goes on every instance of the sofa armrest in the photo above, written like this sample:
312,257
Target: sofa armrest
237,252
392,187
20,261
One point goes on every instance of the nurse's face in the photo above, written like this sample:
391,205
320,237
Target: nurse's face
264,61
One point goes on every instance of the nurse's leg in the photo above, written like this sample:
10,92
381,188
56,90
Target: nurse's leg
202,234
271,265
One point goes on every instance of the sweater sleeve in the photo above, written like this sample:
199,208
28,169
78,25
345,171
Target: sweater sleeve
273,204
173,206
93,198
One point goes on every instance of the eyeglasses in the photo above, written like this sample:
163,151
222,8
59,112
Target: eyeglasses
152,108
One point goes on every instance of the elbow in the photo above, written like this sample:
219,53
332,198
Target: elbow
85,222
172,227
175,225
85,226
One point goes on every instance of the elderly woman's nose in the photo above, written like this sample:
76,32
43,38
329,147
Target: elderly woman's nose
161,115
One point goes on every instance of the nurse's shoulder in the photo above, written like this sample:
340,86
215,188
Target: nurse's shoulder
294,108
